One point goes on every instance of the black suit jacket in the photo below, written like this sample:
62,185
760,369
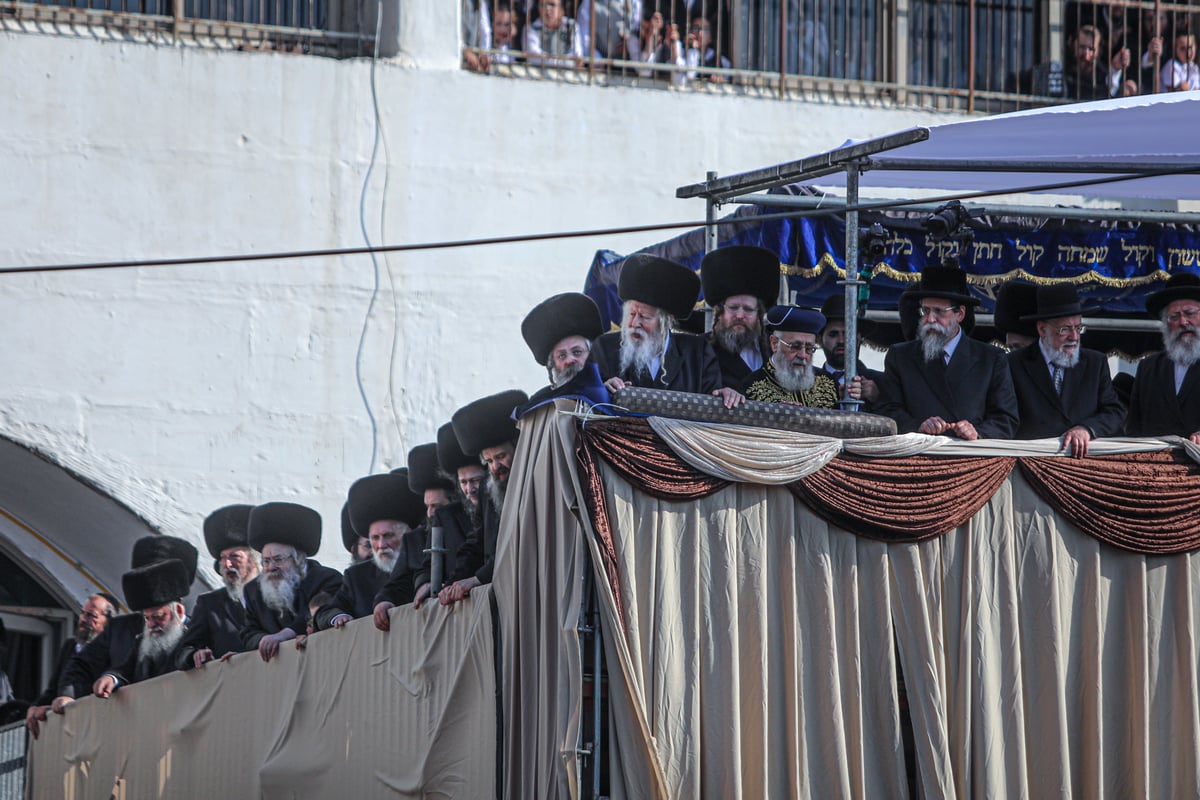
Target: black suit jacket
1088,398
456,527
1154,408
215,623
975,386
688,365
477,554
111,647
356,596
837,375
64,655
261,619
734,371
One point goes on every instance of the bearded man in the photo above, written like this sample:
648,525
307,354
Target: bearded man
1063,390
1166,391
740,283
277,600
832,337
646,352
943,382
386,510
559,332
788,376
156,592
96,612
215,624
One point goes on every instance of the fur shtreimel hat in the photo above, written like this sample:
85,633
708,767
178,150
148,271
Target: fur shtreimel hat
552,320
423,470
660,283
349,535
285,523
450,453
155,584
226,527
1014,301
487,422
740,269
149,549
377,497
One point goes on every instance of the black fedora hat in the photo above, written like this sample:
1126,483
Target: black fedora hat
740,269
949,283
226,527
1014,301
556,318
285,523
1054,301
149,549
660,283
487,422
449,452
423,470
1182,286
834,310
155,584
386,496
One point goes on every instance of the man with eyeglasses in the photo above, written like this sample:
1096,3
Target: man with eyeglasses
788,376
646,352
740,283
559,332
215,624
277,600
1166,391
1063,390
943,382
97,611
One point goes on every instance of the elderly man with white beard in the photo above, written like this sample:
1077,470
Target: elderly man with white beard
1166,391
155,591
215,624
740,283
788,377
646,352
277,600
386,510
1063,390
944,382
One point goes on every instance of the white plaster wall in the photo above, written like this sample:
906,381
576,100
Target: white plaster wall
180,389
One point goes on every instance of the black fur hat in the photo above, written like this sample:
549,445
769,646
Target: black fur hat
350,537
1014,300
660,283
149,549
740,269
449,451
386,496
285,523
552,320
423,471
155,584
487,422
226,528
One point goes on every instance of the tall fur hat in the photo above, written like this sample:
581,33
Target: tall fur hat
285,523
660,283
740,269
226,527
149,549
350,536
423,470
386,496
487,422
450,454
1014,300
554,319
155,584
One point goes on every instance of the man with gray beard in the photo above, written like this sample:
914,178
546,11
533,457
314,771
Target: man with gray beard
1062,389
93,617
386,510
277,600
788,376
646,352
215,624
1166,391
156,591
943,382
740,283
559,332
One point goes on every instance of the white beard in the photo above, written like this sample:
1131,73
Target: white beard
1063,358
1180,351
638,353
934,338
280,595
154,646
386,561
794,379
235,588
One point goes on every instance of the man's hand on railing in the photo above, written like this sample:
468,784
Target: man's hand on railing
33,717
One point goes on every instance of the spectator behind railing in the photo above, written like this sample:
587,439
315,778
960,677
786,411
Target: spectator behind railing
477,34
504,30
1086,77
1180,74
701,51
553,34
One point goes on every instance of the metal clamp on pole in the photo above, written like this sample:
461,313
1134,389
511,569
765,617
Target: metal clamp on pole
437,553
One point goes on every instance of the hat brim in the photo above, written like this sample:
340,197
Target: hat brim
1156,302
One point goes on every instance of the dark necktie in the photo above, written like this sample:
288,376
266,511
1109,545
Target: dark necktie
1058,379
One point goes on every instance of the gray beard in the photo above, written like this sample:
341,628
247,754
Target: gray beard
560,376
1063,359
280,596
933,340
236,589
730,340
1183,353
385,563
496,490
155,646
636,354
794,379
473,512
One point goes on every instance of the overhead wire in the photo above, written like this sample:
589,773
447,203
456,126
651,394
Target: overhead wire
878,205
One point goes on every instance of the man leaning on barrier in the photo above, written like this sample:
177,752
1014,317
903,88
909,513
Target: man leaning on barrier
1166,391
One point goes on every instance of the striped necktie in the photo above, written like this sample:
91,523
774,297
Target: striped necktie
1058,379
